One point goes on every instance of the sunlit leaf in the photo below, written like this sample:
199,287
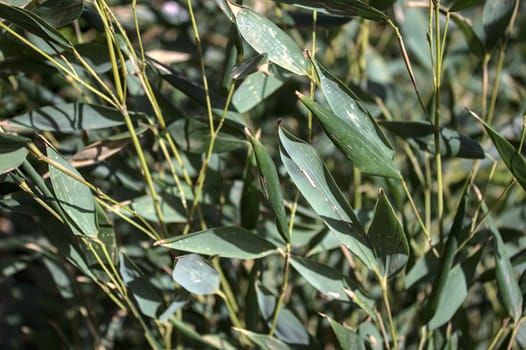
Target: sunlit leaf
228,242
356,144
74,197
317,185
267,38
255,89
196,274
346,106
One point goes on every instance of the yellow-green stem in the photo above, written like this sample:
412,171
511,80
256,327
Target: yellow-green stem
385,297
146,172
419,218
436,123
283,291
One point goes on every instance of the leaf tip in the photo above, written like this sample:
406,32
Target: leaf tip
235,8
299,94
158,243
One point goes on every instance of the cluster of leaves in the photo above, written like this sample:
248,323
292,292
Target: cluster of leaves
283,174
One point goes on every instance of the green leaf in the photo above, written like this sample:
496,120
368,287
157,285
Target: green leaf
316,184
341,8
196,274
148,297
255,89
327,280
12,152
61,278
388,238
73,197
196,92
507,282
70,117
249,206
345,105
421,134
288,328
267,38
446,260
475,44
347,338
228,242
270,185
455,291
194,136
248,66
496,18
59,13
459,5
34,24
354,143
264,341
514,160
170,203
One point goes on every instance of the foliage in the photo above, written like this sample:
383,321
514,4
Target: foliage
295,174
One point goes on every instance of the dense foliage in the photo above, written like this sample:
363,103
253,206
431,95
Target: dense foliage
295,174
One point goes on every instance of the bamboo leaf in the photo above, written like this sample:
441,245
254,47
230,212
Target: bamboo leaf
267,38
455,291
34,24
356,144
514,160
388,237
288,328
341,8
148,298
59,13
264,341
345,105
331,282
421,134
12,152
270,185
459,5
196,275
496,18
317,185
70,117
446,261
347,338
228,242
73,197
